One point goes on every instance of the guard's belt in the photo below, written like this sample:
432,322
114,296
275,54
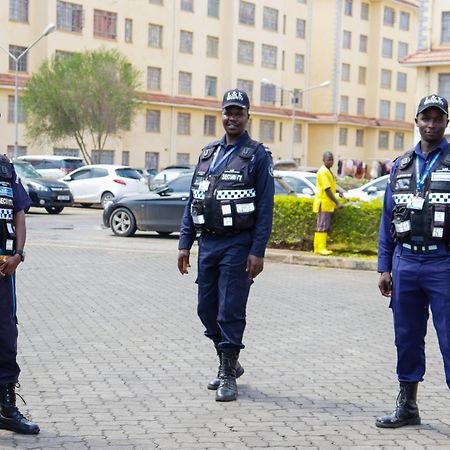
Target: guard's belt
421,248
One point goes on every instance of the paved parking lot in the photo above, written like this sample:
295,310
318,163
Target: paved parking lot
113,356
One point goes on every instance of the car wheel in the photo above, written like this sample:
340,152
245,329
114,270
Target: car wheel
86,205
54,209
106,197
122,222
164,233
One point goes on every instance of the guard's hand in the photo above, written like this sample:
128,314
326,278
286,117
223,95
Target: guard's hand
255,265
385,284
183,261
9,266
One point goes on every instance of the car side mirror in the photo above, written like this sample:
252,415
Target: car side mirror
67,178
307,191
163,190
372,190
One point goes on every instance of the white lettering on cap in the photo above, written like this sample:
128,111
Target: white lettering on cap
235,95
433,99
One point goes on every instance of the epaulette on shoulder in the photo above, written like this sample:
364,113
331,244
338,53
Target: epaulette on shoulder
209,149
405,160
6,167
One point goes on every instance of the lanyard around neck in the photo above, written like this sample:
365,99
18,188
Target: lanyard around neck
420,179
215,163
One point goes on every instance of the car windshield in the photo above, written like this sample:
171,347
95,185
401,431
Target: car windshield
181,184
128,173
71,164
312,179
26,171
281,187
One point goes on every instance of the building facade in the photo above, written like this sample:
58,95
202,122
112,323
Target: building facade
321,75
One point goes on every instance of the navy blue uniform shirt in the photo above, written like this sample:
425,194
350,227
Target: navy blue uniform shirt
21,198
386,243
261,168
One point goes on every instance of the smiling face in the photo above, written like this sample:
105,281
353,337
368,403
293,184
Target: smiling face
432,123
234,120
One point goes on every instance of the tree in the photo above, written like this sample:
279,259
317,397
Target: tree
86,96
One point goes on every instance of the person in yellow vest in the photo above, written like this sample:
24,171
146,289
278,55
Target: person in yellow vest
325,203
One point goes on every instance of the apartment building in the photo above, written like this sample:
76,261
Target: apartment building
321,74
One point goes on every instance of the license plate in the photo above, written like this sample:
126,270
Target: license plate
63,197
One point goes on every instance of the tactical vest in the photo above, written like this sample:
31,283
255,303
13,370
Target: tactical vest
224,201
413,221
7,233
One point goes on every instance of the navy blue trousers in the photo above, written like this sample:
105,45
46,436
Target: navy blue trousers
9,369
420,283
223,288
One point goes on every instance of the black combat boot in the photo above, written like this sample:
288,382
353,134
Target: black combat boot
406,413
227,390
10,416
214,383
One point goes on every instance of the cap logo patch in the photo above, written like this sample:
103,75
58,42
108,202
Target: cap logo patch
433,99
235,96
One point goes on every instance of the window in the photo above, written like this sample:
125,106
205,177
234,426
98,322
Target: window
153,121
348,7
385,107
402,49
347,39
23,62
184,123
404,21
399,139
69,17
125,158
298,132
364,11
360,106
20,110
299,63
187,5
154,78
65,151
345,75
387,48
152,160
300,28
183,158
128,31
344,104
245,52
212,47
246,86
156,2
101,157
21,151
186,41
155,35
401,81
359,141
105,24
383,139
363,43
270,19
269,56
246,13
268,93
400,109
210,86
343,133
386,78
209,125
389,16
184,83
267,130
362,71
213,8
18,10
445,27
444,85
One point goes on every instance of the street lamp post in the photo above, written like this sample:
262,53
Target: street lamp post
295,95
49,29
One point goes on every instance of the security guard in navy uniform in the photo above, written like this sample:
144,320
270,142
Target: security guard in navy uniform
231,205
13,201
414,246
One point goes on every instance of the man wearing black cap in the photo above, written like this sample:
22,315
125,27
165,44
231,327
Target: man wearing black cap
231,205
414,254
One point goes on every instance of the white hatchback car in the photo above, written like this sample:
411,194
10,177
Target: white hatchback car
303,183
373,189
53,166
100,183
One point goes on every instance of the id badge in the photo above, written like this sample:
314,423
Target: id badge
203,185
416,203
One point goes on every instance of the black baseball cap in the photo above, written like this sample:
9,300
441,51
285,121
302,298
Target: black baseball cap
235,97
435,101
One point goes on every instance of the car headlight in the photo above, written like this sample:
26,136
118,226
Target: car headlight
37,186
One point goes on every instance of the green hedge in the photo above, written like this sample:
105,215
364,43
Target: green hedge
354,227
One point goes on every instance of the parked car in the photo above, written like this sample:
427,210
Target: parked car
373,189
303,183
168,174
159,211
100,183
52,195
53,166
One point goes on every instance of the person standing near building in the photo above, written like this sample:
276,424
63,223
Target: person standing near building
414,254
13,201
231,205
325,203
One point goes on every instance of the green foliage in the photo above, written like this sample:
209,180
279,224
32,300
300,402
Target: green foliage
354,228
351,182
84,95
